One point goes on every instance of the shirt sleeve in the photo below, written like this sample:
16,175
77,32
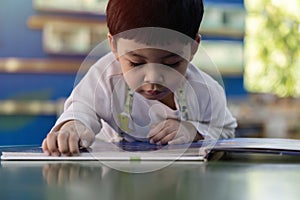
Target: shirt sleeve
81,104
210,130
210,114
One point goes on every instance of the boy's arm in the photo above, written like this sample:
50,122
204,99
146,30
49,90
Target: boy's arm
209,112
80,108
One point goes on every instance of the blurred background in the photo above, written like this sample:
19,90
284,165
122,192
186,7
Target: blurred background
252,47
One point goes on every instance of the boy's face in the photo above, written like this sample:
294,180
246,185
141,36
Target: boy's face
153,72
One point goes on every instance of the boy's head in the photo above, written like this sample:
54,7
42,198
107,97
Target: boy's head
154,40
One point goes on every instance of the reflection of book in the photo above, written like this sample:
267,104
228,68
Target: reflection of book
145,151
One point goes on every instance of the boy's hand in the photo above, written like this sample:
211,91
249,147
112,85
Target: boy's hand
172,131
67,140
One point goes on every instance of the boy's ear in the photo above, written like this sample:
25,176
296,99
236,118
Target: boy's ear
195,45
113,45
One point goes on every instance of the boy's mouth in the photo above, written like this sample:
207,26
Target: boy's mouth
152,94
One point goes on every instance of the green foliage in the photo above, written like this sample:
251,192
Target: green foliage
273,63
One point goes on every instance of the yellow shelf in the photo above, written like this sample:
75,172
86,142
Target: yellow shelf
226,32
38,21
17,65
30,107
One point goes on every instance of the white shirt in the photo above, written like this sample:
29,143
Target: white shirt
100,97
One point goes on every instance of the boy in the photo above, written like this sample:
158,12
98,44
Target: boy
145,89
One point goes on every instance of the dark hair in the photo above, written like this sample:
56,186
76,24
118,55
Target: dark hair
183,16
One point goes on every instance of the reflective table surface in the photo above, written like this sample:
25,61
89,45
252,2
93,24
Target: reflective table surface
234,178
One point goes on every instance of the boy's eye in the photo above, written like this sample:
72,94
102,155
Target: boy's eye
173,64
134,64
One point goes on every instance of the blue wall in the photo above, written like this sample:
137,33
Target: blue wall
17,40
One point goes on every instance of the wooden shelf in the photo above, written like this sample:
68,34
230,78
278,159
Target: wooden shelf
228,33
226,72
17,65
38,21
30,107
93,7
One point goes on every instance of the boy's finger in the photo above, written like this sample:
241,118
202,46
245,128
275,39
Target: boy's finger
45,147
179,140
156,129
168,138
73,144
87,137
62,142
156,138
52,144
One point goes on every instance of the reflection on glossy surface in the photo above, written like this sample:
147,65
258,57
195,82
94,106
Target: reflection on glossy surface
93,180
181,180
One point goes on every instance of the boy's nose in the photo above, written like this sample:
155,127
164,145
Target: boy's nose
153,74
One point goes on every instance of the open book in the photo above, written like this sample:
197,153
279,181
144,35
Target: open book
138,151
126,151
